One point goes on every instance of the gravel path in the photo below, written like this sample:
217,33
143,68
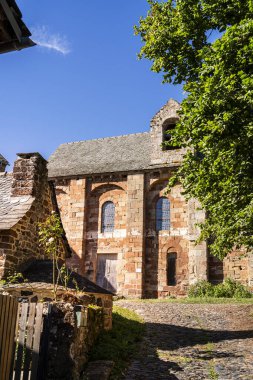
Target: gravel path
194,342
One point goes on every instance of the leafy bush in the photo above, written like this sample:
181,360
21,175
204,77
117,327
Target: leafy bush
228,289
201,289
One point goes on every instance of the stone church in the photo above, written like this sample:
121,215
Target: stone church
126,233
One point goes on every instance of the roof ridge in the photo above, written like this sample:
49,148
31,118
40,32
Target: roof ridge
107,138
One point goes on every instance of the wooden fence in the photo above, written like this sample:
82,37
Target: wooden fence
24,332
8,318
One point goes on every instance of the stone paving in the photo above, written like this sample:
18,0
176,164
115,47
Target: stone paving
194,342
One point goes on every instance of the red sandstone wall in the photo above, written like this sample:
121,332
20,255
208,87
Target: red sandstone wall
141,251
159,244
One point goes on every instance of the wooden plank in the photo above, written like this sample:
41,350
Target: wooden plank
8,308
43,358
29,341
2,312
21,340
11,343
5,335
2,343
7,328
36,340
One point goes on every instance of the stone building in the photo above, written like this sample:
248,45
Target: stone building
125,232
26,198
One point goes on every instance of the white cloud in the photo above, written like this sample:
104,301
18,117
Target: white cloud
45,39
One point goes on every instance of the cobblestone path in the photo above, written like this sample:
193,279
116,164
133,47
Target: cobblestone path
194,342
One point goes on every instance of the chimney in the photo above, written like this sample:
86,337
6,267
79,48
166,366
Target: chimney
3,164
29,174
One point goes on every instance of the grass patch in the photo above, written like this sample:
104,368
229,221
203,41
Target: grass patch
197,300
122,342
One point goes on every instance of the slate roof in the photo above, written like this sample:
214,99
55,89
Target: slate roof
12,209
40,274
108,155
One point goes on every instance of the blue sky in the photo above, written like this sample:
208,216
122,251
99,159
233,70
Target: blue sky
87,83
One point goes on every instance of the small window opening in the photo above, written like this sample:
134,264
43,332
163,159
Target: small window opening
171,268
168,127
108,217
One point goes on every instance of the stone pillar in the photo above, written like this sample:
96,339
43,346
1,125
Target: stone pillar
198,261
71,194
134,257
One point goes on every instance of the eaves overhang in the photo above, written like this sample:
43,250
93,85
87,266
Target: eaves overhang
14,34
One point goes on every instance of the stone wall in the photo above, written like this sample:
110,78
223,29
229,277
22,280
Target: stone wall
238,265
98,242
160,243
74,330
71,199
134,267
20,244
141,251
81,217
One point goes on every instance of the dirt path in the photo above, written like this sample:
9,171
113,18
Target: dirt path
194,342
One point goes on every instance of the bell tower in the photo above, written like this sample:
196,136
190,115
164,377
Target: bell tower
164,121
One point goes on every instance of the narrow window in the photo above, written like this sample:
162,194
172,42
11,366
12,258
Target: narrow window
167,136
162,214
171,268
108,217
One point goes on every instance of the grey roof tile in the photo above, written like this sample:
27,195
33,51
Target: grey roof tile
108,155
12,209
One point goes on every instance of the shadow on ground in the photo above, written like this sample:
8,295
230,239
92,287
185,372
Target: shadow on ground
165,351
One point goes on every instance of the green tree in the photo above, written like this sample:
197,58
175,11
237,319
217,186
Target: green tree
216,124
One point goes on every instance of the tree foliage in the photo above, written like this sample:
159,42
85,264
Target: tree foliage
216,124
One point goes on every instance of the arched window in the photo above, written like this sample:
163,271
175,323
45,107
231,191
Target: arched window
162,214
108,217
171,268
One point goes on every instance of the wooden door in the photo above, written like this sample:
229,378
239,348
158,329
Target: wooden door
107,272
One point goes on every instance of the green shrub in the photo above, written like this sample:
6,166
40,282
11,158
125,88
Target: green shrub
201,289
228,289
